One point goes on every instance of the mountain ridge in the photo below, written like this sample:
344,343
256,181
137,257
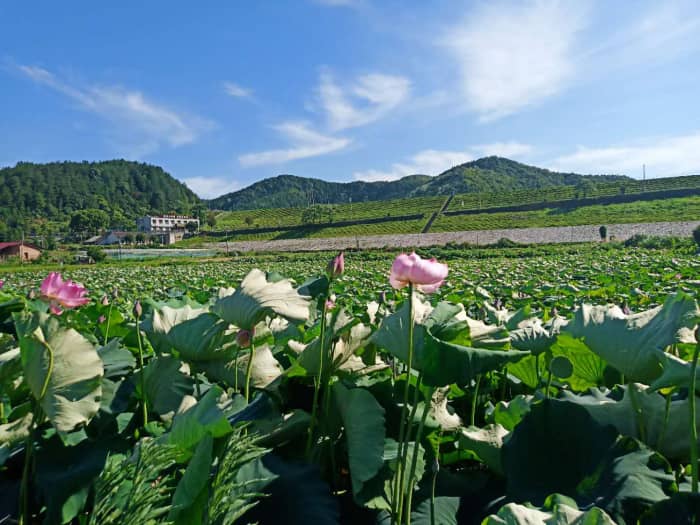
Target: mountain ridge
487,174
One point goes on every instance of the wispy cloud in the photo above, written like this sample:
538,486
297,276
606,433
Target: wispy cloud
237,91
434,162
210,187
511,55
367,99
679,155
305,142
139,120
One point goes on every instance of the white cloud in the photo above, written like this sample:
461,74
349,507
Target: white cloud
368,99
210,187
434,162
305,143
142,122
234,90
511,56
668,156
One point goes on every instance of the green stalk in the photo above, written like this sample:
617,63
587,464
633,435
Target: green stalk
109,318
248,370
24,487
537,370
472,419
397,496
411,418
432,496
693,424
318,382
144,404
414,459
638,415
549,383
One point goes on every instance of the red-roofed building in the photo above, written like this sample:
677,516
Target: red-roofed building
27,252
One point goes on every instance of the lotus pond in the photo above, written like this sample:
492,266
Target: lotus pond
535,387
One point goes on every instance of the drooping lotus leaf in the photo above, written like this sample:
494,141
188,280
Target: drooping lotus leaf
642,408
363,420
502,317
559,447
201,338
256,298
634,344
486,443
158,325
15,432
557,510
62,368
165,385
204,418
116,360
535,337
232,372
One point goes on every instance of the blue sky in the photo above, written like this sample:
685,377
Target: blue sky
226,93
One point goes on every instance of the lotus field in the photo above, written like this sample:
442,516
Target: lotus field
439,388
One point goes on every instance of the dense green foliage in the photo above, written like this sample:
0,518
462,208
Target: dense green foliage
490,174
39,197
519,413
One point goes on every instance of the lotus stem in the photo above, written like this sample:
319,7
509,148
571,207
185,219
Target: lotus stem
411,418
249,370
472,417
693,424
24,487
144,403
414,458
398,489
109,319
319,383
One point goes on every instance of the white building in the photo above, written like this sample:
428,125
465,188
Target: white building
164,223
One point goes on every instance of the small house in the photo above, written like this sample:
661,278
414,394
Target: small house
21,250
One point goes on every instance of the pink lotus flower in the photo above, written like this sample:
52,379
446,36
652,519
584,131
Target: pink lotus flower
426,275
2,283
62,293
336,265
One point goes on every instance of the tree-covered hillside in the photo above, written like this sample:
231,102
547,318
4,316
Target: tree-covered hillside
496,174
32,196
292,191
490,174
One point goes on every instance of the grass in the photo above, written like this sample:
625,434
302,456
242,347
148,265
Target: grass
662,210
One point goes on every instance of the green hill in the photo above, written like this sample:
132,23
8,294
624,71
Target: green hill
490,174
286,191
34,195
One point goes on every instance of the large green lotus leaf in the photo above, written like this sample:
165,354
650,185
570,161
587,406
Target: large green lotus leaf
62,368
165,385
588,367
534,337
482,335
486,443
640,408
116,360
10,366
264,371
509,413
163,319
510,320
559,447
446,509
392,334
363,420
295,493
256,298
560,513
13,433
202,338
202,419
445,363
634,344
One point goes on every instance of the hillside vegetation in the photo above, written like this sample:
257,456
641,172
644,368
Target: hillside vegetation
490,174
32,196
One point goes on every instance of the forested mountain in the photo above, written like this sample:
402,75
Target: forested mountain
32,196
490,174
496,174
292,191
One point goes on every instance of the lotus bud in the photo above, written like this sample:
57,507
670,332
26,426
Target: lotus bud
138,309
31,294
243,338
336,265
2,283
101,319
105,301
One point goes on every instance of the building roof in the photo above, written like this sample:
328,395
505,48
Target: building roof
5,245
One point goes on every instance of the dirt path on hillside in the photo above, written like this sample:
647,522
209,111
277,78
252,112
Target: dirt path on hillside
523,235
